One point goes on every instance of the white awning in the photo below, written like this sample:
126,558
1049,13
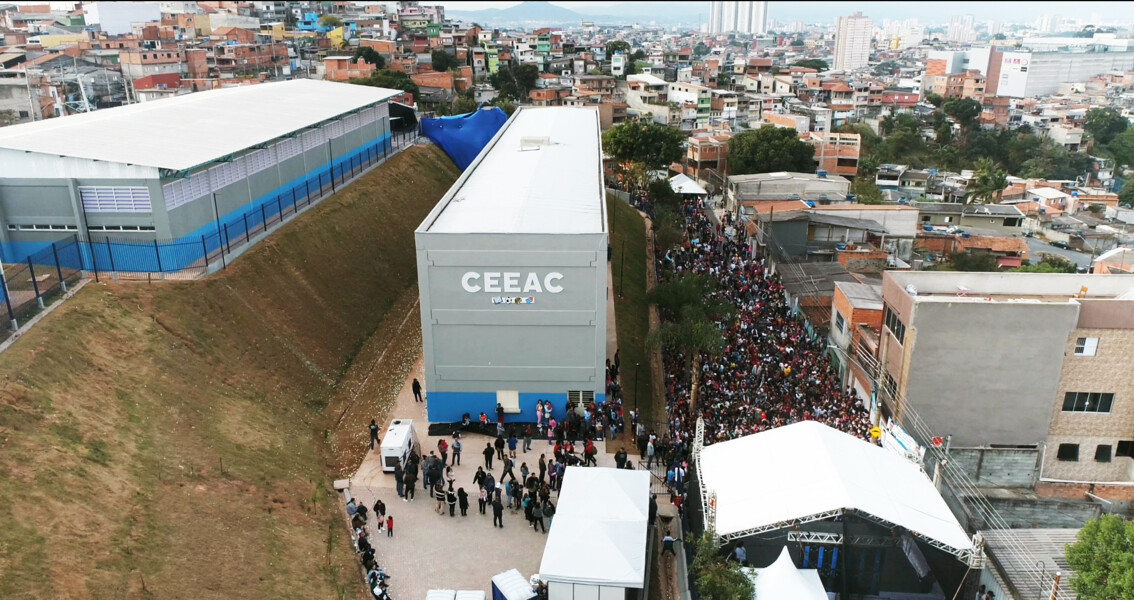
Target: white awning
804,470
598,535
683,184
782,581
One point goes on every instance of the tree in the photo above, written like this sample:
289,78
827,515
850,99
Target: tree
1105,123
1050,263
330,22
1126,194
443,61
769,149
700,49
655,146
717,578
974,262
796,42
1121,148
1103,559
988,182
865,192
639,54
617,46
515,81
812,63
934,99
886,67
503,104
371,56
690,315
964,110
387,78
8,117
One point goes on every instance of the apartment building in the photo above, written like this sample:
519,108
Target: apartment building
1026,359
696,100
852,42
836,153
140,62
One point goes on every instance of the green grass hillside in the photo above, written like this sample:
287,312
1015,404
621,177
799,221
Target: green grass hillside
175,440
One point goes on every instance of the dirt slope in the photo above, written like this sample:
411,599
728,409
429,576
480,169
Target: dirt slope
177,440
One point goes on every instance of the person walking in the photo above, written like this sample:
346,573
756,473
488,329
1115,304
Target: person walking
668,543
500,443
463,501
451,500
389,526
548,512
497,512
480,476
373,434
380,513
509,464
649,453
456,449
527,439
551,424
542,467
488,454
537,517
482,499
416,390
443,450
439,496
411,484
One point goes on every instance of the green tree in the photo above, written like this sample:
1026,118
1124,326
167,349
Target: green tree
443,61
988,182
700,49
463,105
371,56
1126,194
717,578
865,192
1121,148
964,110
330,22
690,315
796,42
503,104
886,67
1103,559
769,149
515,81
1105,123
1050,263
974,262
1000,36
934,99
617,46
655,146
386,78
812,63
638,54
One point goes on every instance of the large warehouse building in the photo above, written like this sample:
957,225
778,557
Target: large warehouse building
180,168
512,273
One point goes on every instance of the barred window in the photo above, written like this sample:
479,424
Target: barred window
115,199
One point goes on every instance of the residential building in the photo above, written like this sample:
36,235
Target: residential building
852,42
836,153
342,68
950,339
738,17
696,101
760,187
856,309
140,62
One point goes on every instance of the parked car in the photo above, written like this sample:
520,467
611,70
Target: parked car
1059,244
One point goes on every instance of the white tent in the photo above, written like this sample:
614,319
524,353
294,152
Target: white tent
510,585
808,471
683,184
782,581
598,535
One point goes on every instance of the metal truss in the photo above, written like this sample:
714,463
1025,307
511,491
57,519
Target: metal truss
971,556
821,516
837,539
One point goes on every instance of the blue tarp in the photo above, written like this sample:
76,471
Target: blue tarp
462,137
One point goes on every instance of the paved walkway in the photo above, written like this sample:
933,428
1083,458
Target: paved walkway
431,551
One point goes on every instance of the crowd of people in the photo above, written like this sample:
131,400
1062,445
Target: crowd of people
365,523
771,372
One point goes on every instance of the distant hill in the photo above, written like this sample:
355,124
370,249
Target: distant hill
545,13
525,12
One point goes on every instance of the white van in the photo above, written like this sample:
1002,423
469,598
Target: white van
397,444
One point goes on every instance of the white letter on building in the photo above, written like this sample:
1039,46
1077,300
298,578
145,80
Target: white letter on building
492,282
554,289
512,283
472,289
532,284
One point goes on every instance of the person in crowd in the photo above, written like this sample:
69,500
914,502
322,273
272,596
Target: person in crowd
488,454
482,499
500,444
512,443
373,434
416,390
463,501
548,512
389,525
527,438
456,449
443,450
379,513
399,479
451,500
497,512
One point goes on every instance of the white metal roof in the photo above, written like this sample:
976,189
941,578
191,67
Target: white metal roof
683,184
397,432
818,469
552,188
605,512
185,131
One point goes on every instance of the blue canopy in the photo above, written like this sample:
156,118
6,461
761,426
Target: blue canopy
462,137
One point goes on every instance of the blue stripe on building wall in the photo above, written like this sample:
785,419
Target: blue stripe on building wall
141,256
450,407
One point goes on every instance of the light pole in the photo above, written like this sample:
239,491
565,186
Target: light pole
636,365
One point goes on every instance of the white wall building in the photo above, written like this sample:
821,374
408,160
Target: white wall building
114,18
741,17
852,42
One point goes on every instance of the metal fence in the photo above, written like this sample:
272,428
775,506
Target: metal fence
27,286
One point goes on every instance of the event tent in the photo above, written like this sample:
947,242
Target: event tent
511,585
808,471
598,535
782,581
683,184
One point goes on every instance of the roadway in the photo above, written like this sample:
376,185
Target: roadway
1036,245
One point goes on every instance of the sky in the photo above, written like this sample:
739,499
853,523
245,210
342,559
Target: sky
927,12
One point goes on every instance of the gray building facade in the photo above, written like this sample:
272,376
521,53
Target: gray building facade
512,273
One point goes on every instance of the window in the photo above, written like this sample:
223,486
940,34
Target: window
578,401
1012,222
115,199
894,325
1087,402
948,219
1125,448
840,323
1086,346
14,227
509,399
1102,453
1068,452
